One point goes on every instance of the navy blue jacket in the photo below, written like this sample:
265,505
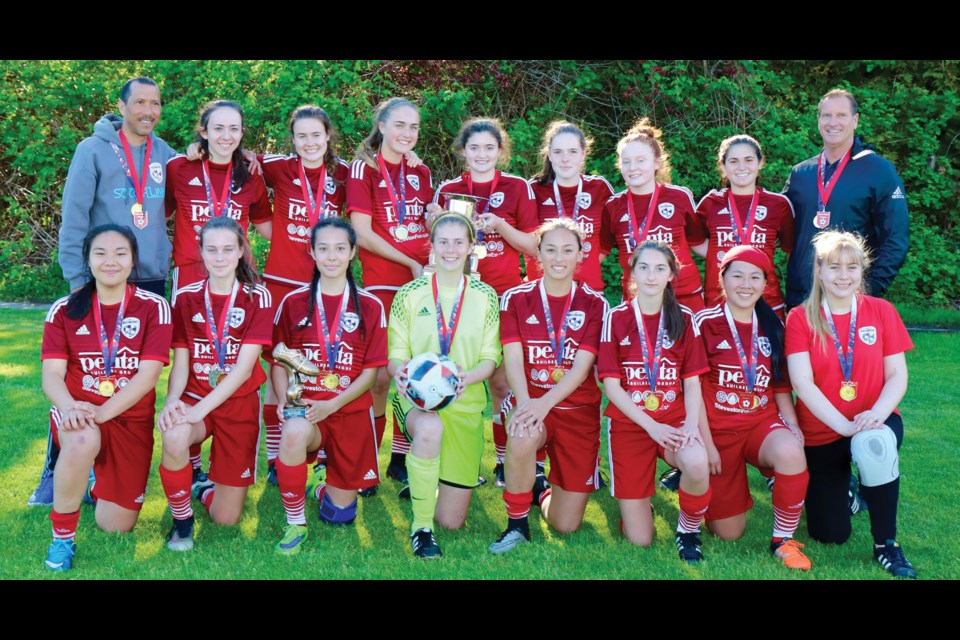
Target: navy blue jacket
869,199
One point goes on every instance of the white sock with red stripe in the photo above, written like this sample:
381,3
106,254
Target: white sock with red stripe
271,424
499,438
176,486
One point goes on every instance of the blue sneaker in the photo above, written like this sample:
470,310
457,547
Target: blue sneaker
42,496
200,487
60,554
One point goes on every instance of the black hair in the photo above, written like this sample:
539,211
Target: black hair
78,306
127,87
240,171
336,223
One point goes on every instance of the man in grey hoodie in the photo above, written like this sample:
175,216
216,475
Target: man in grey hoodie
117,175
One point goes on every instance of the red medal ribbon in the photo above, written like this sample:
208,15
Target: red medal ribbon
557,336
331,347
222,327
139,185
747,227
314,210
110,348
637,235
399,202
652,369
221,207
825,188
447,330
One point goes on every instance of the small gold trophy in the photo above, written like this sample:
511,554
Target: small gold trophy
296,364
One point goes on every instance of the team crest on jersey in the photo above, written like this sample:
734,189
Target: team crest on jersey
329,185
575,319
868,335
764,343
761,213
585,200
236,316
156,172
350,322
130,327
414,181
496,199
666,209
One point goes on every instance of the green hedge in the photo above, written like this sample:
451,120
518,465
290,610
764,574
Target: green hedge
909,112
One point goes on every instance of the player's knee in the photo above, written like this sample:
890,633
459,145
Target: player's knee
450,521
332,514
726,532
296,436
525,447
566,525
875,454
175,441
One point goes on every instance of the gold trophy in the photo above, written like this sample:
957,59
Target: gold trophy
296,364
466,206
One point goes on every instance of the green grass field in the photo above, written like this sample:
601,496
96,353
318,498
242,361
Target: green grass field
377,546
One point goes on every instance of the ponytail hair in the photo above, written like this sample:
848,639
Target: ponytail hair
673,322
370,147
78,305
547,174
246,272
240,172
336,223
644,131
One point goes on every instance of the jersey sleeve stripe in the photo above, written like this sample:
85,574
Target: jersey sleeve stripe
55,307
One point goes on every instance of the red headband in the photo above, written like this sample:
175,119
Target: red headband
748,254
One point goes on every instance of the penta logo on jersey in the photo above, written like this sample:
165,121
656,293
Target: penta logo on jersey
200,211
725,238
127,361
668,372
415,209
319,355
729,376
540,352
204,350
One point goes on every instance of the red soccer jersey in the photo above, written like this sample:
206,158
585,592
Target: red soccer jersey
144,335
249,321
673,222
522,320
356,352
512,201
725,385
289,261
880,333
187,201
773,223
593,194
367,193
621,357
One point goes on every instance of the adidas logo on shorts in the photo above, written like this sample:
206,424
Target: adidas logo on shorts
533,319
139,499
423,312
246,473
625,341
370,475
590,481
897,194
195,182
197,317
724,345
83,331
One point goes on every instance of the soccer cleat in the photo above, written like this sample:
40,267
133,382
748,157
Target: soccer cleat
42,496
295,360
404,493
293,538
200,487
854,499
540,484
788,550
180,537
425,544
890,556
509,540
601,481
670,479
369,492
316,478
480,482
770,481
688,545
60,554
397,471
272,475
499,479
198,476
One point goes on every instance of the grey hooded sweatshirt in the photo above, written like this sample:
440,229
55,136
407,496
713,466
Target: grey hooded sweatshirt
98,192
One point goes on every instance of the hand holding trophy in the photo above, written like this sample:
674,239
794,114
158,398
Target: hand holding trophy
296,364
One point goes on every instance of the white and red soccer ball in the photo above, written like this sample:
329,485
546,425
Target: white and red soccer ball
431,381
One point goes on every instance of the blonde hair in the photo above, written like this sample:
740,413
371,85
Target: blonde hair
643,131
370,147
829,246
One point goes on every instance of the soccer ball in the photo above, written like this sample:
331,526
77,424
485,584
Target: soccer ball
431,381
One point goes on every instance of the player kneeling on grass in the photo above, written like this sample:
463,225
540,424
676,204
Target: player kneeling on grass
342,331
550,330
456,316
103,405
846,405
220,326
749,407
651,358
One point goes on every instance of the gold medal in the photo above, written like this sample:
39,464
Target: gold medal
214,376
848,391
106,387
651,402
331,381
136,209
557,374
480,251
401,233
